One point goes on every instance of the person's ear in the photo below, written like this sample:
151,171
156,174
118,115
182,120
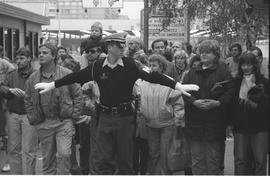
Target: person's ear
109,47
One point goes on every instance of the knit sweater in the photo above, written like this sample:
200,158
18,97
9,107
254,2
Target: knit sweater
160,105
115,84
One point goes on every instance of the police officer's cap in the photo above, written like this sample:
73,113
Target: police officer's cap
117,37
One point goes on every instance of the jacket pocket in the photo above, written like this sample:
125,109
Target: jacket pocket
37,116
66,109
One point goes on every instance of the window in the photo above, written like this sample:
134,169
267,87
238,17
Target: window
8,42
29,42
52,10
15,38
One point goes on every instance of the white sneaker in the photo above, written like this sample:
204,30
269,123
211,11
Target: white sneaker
6,168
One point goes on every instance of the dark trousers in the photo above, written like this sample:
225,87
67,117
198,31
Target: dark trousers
93,158
207,157
140,159
84,133
258,143
2,121
115,137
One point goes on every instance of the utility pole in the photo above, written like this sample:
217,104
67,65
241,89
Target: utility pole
59,24
146,24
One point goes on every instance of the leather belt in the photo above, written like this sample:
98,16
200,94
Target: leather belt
123,108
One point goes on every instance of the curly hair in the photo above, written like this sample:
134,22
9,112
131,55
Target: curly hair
162,62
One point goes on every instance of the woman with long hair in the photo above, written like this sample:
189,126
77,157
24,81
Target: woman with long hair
250,121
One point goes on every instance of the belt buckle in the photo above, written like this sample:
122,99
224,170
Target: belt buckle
114,110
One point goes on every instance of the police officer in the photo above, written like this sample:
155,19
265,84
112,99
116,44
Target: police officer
115,76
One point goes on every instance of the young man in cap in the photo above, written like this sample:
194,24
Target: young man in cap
115,76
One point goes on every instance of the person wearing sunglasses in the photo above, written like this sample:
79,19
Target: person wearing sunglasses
115,76
87,132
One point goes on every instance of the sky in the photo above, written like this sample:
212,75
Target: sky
132,9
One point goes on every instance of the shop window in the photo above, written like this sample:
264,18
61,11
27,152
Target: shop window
15,38
29,42
8,42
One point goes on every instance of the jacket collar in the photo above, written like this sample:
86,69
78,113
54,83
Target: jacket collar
213,67
51,74
112,66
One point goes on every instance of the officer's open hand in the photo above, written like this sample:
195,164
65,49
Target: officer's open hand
44,87
185,88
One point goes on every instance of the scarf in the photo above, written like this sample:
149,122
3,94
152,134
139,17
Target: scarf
248,82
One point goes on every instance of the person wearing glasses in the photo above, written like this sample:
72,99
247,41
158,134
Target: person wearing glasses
115,76
87,132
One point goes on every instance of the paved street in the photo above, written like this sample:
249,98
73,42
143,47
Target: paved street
228,160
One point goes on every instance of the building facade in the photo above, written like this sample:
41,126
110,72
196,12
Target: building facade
19,28
65,9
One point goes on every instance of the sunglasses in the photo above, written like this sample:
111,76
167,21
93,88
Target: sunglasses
92,51
120,45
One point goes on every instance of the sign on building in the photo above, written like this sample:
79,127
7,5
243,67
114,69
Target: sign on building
102,3
176,31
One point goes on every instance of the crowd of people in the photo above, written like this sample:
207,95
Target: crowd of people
131,112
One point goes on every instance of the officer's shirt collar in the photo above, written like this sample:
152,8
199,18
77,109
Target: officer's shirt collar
112,66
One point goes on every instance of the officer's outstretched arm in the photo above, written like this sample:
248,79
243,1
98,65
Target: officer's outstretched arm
185,88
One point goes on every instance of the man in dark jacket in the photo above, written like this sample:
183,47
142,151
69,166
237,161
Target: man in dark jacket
21,135
53,113
205,122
